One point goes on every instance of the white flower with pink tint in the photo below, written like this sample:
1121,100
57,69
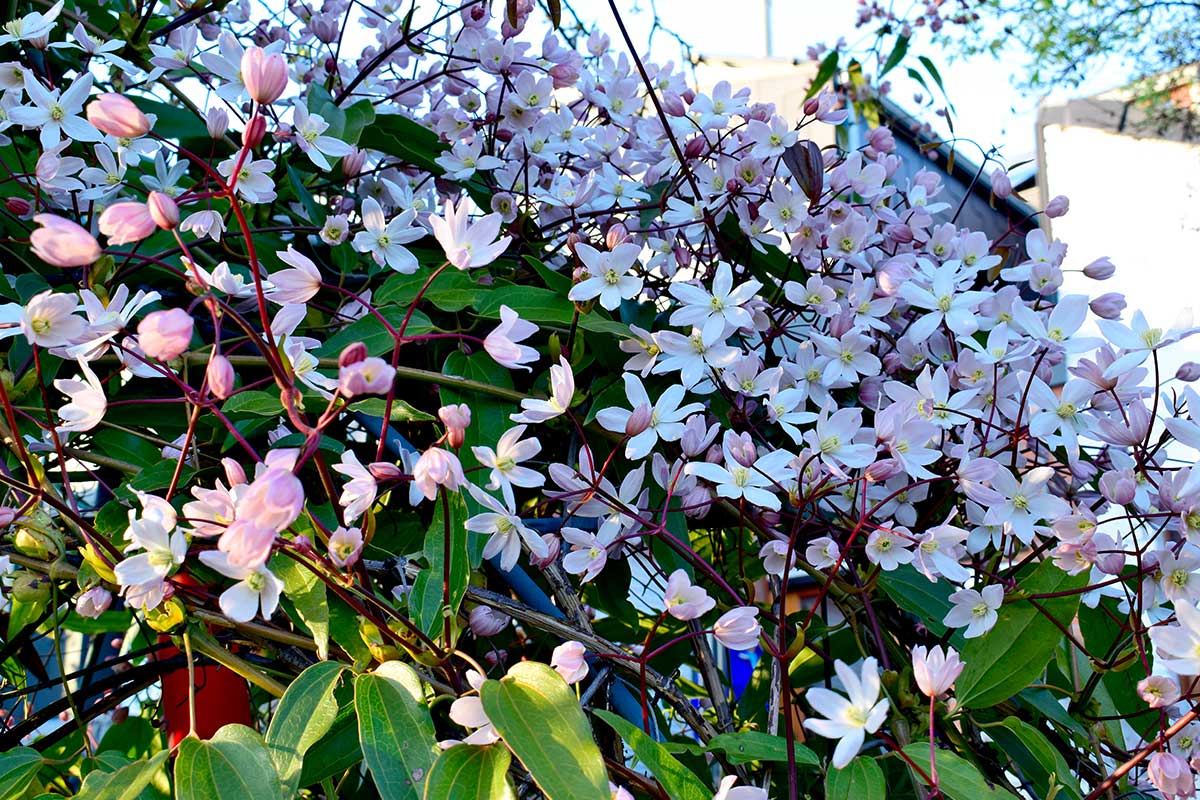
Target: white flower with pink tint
468,245
568,660
683,599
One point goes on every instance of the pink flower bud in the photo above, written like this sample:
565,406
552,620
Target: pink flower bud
638,420
165,335
741,448
1110,558
62,243
935,670
1108,306
352,164
1188,371
437,467
94,602
695,146
456,419
234,473
738,629
1118,487
217,122
18,205
220,376
163,210
352,354
1100,270
369,376
881,139
383,471
899,232
883,470
573,239
1058,206
126,222
810,106
486,621
672,104
256,129
553,546
8,515
1001,184
617,235
870,391
567,659
265,75
117,116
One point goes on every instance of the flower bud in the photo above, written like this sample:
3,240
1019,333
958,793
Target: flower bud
220,376
30,588
352,354
899,232
810,106
234,473
573,239
8,515
638,420
117,116
1108,306
163,210
265,75
217,122
1171,775
486,621
1188,371
1118,487
883,470
553,546
383,471
1001,184
256,129
18,206
881,139
165,335
352,164
126,222
61,243
672,103
369,376
456,418
1100,270
1110,558
617,235
1058,206
741,448
695,146
94,602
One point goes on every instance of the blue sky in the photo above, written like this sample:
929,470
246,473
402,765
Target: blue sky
990,110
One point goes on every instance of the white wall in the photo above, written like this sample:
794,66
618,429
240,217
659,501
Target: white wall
1135,201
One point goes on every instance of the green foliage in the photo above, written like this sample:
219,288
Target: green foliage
233,764
464,772
538,717
394,729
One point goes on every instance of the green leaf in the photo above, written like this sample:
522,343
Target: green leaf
917,595
759,746
1012,654
1039,761
470,773
305,713
453,290
401,411
861,779
427,596
338,750
125,783
531,302
958,778
896,56
540,720
18,769
678,781
316,214
394,729
233,765
258,403
307,593
825,72
358,117
371,332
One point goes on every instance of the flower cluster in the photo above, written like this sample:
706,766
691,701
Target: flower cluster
313,351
